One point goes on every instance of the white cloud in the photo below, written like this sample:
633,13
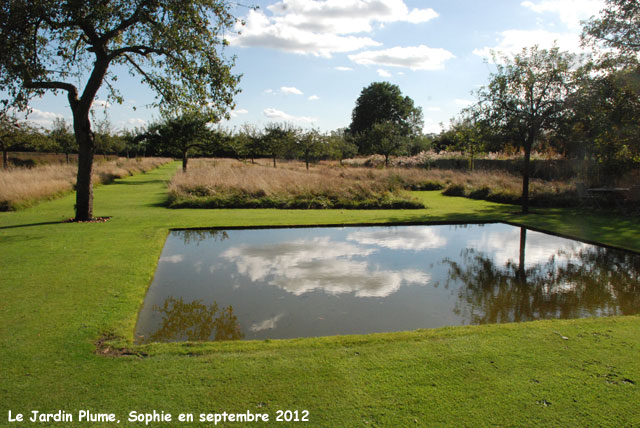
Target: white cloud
313,98
38,117
383,73
570,12
268,324
511,42
432,128
415,57
274,114
321,28
136,121
290,90
333,267
101,104
176,258
268,91
405,238
344,68
238,112
433,109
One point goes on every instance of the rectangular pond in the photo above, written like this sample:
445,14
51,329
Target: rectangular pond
302,282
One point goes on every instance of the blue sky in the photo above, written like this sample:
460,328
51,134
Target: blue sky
306,61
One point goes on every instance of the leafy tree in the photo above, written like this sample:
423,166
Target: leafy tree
617,27
9,137
310,145
468,136
385,139
383,102
526,97
603,124
277,138
181,135
174,46
251,140
63,137
340,145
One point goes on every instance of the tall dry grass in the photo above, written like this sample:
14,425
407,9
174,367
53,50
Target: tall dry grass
213,183
22,187
227,183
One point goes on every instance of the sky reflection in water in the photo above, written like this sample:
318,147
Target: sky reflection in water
285,283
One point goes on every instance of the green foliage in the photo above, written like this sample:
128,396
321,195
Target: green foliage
340,145
617,27
382,102
62,136
181,134
174,47
277,139
526,98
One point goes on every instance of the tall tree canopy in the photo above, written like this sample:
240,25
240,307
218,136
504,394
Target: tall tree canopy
526,97
618,27
383,102
174,46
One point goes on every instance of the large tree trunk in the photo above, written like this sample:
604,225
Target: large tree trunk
5,159
185,160
84,181
274,162
525,177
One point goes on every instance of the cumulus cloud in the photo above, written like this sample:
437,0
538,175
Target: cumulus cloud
136,121
290,90
38,117
414,57
313,98
383,73
340,68
512,42
570,12
322,28
333,267
238,112
274,114
101,104
405,238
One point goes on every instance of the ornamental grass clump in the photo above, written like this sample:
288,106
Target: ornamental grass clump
230,184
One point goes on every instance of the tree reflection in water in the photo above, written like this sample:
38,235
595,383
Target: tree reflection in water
589,281
199,235
195,321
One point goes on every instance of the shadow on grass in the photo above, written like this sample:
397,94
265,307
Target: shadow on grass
45,223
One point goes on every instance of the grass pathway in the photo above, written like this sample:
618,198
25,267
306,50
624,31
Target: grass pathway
63,286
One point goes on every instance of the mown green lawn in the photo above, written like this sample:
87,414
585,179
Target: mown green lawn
64,286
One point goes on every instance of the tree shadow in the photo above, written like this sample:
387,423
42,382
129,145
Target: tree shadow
44,223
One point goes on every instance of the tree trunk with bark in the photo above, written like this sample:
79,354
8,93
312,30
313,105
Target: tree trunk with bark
84,181
185,160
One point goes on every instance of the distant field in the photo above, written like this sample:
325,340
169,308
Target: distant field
22,187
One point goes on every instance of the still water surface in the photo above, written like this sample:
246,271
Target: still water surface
286,283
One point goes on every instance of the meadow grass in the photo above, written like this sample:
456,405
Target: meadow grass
23,187
225,183
70,288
